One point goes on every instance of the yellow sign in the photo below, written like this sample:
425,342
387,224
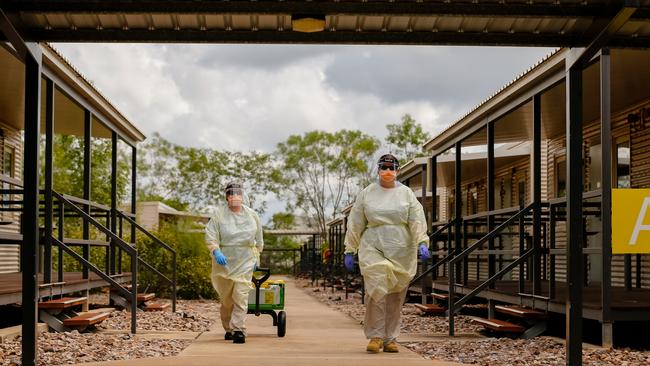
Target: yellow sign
630,221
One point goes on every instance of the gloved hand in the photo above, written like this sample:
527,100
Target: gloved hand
349,262
219,257
424,251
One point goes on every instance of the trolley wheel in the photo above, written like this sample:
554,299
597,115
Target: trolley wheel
282,323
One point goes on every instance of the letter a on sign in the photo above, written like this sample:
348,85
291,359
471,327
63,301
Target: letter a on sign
630,221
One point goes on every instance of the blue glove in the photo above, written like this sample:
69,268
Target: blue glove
349,262
219,257
424,251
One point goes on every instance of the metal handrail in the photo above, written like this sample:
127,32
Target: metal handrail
130,250
443,228
172,281
432,268
455,306
491,234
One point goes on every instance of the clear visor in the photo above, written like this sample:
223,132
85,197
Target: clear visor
387,166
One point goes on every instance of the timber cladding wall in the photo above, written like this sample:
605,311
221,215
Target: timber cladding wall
639,142
11,153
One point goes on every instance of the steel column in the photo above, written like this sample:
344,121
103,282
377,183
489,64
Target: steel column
113,200
574,229
87,189
490,198
454,269
49,151
606,194
29,247
537,194
134,187
434,208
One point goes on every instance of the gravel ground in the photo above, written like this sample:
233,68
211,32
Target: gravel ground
541,351
413,321
74,347
191,315
477,350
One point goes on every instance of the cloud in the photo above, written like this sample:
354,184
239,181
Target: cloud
251,97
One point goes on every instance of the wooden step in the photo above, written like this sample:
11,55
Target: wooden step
145,297
85,319
156,306
440,296
499,325
62,303
430,309
520,311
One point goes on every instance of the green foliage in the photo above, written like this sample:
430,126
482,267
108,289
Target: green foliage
408,137
193,262
322,170
196,177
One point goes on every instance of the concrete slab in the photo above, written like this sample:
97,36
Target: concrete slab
316,335
9,333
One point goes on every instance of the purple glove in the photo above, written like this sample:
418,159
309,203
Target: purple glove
349,262
424,251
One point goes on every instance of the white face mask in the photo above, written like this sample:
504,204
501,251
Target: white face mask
235,201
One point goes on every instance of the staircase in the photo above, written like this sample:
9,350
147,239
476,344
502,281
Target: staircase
520,322
145,301
69,313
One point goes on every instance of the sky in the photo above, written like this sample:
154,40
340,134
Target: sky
251,97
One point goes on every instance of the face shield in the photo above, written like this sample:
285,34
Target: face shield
235,195
387,171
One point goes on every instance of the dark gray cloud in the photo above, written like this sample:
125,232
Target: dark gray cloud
455,76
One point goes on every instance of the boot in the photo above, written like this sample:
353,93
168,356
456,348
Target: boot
391,347
374,345
228,336
238,337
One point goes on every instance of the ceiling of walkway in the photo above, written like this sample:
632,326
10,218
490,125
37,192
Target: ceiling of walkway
427,22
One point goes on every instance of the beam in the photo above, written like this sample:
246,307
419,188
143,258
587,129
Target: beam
23,50
49,153
88,117
583,56
345,7
290,37
490,197
574,229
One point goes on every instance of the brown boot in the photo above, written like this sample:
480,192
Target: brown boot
391,347
375,345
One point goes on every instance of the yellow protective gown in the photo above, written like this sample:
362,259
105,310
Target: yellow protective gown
385,227
239,237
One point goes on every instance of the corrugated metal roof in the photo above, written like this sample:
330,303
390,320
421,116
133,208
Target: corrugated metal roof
545,22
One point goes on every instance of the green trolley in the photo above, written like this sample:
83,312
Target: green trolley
267,298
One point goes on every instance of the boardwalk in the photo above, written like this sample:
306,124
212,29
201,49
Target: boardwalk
316,335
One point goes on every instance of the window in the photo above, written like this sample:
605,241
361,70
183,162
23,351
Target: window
623,165
8,161
521,191
560,178
472,196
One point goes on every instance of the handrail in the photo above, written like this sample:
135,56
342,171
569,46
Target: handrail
491,234
92,267
501,211
82,201
432,268
171,282
456,305
443,228
121,243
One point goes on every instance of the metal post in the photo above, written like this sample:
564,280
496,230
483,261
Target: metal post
87,163
606,195
490,199
29,247
458,207
454,269
134,187
49,151
114,173
433,177
426,284
574,215
537,194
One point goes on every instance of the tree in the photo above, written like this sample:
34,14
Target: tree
322,169
196,177
408,137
